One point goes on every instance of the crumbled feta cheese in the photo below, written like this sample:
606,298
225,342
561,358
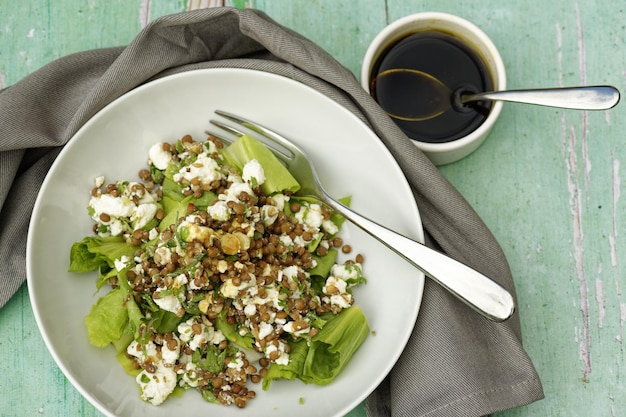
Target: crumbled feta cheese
250,310
341,300
233,177
269,214
236,362
170,356
169,302
142,214
283,357
288,327
335,288
113,206
207,334
222,266
219,211
253,173
330,227
179,281
99,181
265,329
134,189
143,352
116,227
208,299
234,191
280,200
334,282
286,240
346,272
196,231
299,240
229,290
210,146
218,337
156,387
138,267
158,156
272,297
204,169
189,375
121,263
185,331
311,216
162,255
188,336
291,272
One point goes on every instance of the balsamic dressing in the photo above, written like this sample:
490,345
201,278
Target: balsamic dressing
446,58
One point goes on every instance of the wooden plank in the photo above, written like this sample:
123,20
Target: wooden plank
343,29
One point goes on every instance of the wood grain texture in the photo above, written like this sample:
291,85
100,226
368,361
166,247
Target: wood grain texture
547,182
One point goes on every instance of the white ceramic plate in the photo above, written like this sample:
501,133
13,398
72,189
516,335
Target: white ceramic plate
114,143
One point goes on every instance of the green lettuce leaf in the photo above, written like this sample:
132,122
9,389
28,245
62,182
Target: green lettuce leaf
108,318
173,211
207,198
277,177
293,370
230,332
94,252
172,190
157,174
169,204
212,360
135,317
208,396
337,218
127,363
332,348
321,359
122,343
81,260
324,263
165,321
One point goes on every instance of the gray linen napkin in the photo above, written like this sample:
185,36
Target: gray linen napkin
455,364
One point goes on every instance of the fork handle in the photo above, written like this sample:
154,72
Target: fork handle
473,288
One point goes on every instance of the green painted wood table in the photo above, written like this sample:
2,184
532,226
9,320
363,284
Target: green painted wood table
547,181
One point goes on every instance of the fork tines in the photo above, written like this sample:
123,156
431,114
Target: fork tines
276,143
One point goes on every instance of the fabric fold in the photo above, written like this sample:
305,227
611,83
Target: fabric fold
455,364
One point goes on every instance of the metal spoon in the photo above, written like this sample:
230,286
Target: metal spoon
436,97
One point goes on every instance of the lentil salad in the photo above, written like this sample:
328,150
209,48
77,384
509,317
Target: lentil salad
220,274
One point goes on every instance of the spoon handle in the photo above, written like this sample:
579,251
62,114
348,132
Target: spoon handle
599,97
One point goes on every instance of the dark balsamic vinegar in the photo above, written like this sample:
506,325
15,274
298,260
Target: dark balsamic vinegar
447,59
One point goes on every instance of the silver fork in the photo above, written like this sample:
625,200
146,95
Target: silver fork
475,289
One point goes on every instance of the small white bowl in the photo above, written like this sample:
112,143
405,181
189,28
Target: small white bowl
476,40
